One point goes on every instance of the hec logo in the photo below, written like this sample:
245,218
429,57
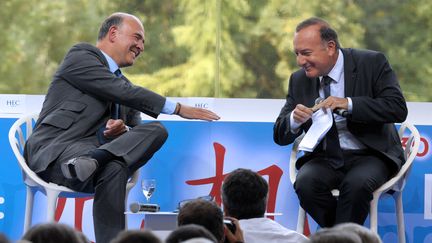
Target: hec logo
13,103
202,105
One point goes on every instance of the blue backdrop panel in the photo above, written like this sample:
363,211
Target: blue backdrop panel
192,163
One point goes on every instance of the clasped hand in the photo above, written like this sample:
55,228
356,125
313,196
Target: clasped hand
303,113
114,128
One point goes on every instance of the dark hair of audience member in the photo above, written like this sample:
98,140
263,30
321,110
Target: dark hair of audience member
204,213
366,235
136,236
3,238
244,194
330,235
53,233
189,231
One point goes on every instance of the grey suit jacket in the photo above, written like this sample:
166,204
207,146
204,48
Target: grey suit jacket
377,104
78,102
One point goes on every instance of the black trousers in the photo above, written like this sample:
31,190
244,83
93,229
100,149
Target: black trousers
109,182
360,176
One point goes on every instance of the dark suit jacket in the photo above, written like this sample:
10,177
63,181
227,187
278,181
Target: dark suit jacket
78,102
377,104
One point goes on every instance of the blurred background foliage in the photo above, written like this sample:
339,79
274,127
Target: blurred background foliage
213,48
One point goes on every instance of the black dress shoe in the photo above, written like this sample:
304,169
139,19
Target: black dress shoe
80,167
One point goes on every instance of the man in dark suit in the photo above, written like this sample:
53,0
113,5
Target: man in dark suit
89,135
362,150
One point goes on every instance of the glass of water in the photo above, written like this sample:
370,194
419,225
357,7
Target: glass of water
148,187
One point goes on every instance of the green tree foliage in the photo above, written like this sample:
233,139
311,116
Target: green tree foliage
255,55
215,48
402,30
36,36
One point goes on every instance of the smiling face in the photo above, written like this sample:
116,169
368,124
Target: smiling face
124,42
128,40
315,56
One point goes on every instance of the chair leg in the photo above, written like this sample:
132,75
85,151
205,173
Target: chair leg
373,214
126,206
52,197
400,217
29,208
301,220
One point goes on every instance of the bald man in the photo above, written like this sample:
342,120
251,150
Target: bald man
89,135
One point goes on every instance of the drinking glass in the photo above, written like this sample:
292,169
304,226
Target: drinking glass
148,187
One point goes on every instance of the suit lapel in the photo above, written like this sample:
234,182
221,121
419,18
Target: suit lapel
350,72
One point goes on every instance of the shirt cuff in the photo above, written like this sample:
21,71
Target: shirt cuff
169,107
293,124
349,105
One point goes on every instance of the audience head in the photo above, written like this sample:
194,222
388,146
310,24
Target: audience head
205,213
366,235
3,238
198,240
136,236
244,194
330,235
190,232
53,233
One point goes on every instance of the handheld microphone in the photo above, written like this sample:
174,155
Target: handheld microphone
341,112
146,207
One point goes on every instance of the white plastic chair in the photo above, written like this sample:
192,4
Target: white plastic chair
18,135
394,186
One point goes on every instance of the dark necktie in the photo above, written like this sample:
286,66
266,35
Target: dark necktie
114,114
115,108
331,143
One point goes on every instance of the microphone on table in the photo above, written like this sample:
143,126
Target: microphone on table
143,207
338,111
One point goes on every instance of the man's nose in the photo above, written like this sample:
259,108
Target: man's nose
140,46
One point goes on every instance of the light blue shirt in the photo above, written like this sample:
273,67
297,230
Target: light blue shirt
169,106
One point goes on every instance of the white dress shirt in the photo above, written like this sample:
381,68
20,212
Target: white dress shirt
265,230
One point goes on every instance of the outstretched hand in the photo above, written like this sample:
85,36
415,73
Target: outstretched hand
190,112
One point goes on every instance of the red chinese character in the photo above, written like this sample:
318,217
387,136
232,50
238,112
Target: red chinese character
273,172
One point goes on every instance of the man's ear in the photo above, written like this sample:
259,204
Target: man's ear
225,211
331,45
112,33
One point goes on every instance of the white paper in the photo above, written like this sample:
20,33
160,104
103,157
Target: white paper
321,124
